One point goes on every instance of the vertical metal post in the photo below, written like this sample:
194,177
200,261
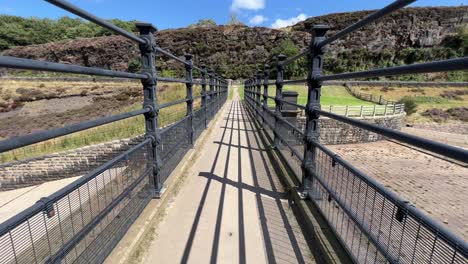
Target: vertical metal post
258,85
266,74
189,85
216,94
203,93
211,76
148,63
312,117
278,97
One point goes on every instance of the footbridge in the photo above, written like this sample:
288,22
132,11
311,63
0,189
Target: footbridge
233,180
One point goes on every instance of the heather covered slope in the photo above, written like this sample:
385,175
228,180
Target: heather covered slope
407,36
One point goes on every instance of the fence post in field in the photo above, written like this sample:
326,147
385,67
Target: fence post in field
189,85
148,66
314,84
394,108
373,113
347,110
380,99
278,96
362,109
203,92
385,110
266,74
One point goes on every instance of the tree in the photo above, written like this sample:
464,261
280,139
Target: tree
297,68
19,31
234,20
203,23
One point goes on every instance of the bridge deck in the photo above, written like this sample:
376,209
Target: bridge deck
232,208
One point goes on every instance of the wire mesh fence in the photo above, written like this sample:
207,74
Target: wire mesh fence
83,221
373,225
64,225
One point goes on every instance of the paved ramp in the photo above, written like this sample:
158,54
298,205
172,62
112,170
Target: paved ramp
232,207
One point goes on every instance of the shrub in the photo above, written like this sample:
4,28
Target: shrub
459,113
28,95
454,95
417,90
436,114
203,23
386,89
410,105
134,65
122,97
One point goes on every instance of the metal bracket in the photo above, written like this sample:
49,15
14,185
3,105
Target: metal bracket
49,207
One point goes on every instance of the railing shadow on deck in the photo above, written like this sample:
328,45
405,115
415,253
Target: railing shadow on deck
83,221
372,223
267,195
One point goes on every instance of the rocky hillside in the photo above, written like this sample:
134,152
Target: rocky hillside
406,28
410,35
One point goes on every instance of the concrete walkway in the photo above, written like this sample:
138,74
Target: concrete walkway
232,207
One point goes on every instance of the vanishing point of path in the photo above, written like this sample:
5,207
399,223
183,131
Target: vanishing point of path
232,207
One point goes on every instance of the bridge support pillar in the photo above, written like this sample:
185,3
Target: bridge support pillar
309,165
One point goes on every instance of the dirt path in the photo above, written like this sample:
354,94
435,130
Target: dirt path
231,209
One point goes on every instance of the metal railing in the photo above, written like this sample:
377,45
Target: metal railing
365,110
373,224
369,97
82,222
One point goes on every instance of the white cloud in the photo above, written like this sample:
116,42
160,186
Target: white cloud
281,23
6,9
257,20
247,4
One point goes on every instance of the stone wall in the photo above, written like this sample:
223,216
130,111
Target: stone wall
334,132
77,162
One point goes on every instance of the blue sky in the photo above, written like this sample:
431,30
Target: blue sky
179,13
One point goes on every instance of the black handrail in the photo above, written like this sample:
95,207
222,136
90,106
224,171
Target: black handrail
27,64
366,21
22,141
138,189
428,67
90,17
313,165
433,146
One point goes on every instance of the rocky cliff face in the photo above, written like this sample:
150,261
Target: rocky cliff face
236,50
406,28
229,49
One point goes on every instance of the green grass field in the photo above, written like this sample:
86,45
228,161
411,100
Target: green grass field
331,95
425,98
